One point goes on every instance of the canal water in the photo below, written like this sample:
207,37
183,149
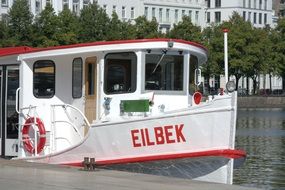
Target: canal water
261,133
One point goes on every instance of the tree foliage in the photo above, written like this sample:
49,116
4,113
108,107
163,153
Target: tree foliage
20,24
186,30
94,24
145,28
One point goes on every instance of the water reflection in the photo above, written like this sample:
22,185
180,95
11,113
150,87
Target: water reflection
261,133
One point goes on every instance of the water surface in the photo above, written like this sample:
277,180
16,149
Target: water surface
261,133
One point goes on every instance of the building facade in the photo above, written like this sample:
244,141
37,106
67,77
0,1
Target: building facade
258,12
166,12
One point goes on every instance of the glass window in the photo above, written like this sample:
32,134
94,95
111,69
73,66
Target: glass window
249,16
146,12
217,17
192,66
123,12
120,73
260,18
4,2
265,18
208,3
176,15
254,4
260,4
190,14
153,12
208,17
218,3
132,12
77,78
197,17
44,79
265,4
254,18
86,3
167,15
75,7
38,6
249,3
160,15
244,15
243,3
164,72
65,4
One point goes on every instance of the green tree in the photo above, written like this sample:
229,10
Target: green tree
186,30
94,24
3,33
120,30
68,27
46,28
278,39
145,28
20,23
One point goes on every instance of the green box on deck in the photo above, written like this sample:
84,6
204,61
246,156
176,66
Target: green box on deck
135,105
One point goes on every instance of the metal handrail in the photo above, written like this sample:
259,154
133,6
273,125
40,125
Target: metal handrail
65,106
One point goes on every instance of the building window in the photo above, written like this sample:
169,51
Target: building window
218,3
249,16
244,15
176,16
254,18
243,3
44,79
86,3
190,14
208,3
146,12
153,12
75,7
160,15
196,17
249,3
254,4
208,17
260,18
167,76
260,4
265,4
114,9
4,3
123,12
48,2
265,18
38,6
65,4
4,18
183,13
120,73
217,17
132,12
167,15
77,70
105,7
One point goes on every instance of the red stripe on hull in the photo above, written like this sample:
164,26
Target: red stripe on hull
228,153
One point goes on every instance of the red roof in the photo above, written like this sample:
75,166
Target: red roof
26,49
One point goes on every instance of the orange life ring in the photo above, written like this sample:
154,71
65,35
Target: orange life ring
27,142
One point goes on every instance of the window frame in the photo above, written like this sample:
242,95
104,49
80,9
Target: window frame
106,67
81,83
184,72
54,79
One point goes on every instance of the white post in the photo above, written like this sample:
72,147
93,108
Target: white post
226,54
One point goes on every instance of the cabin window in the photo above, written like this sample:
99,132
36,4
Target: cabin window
164,73
44,79
120,73
192,66
77,69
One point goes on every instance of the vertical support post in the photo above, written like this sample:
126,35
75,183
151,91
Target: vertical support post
226,54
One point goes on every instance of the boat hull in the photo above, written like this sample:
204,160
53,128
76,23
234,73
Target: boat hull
199,140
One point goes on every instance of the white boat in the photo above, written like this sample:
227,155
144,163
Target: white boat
129,104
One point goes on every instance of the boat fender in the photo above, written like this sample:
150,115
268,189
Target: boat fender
197,97
27,142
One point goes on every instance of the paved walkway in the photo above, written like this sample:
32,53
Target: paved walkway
19,175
